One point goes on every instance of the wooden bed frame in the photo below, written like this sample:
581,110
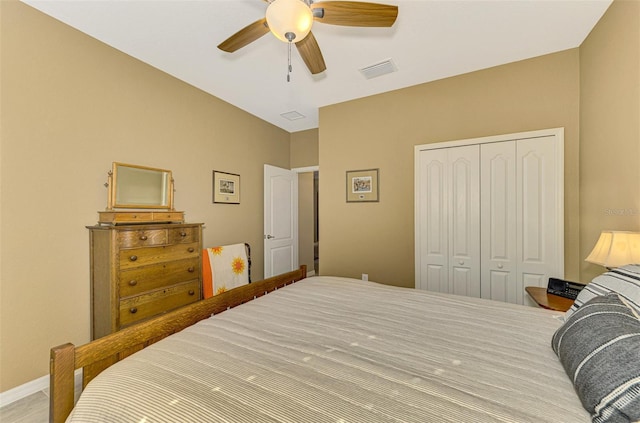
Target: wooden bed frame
101,353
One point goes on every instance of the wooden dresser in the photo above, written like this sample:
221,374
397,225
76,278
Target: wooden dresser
140,271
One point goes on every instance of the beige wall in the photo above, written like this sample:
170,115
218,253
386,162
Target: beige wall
304,153
610,128
381,132
69,107
304,148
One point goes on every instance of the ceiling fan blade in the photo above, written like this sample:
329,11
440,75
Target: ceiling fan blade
355,13
310,51
245,36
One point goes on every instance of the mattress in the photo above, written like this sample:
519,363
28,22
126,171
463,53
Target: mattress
329,349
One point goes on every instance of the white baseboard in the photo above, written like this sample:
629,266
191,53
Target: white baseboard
36,385
311,273
22,391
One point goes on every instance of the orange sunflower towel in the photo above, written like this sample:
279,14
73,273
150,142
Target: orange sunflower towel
224,268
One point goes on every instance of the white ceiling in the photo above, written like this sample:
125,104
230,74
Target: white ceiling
431,39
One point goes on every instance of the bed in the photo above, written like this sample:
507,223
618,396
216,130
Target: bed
325,349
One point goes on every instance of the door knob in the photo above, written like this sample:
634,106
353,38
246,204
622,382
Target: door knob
500,266
269,236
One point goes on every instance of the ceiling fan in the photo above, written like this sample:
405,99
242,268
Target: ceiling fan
291,21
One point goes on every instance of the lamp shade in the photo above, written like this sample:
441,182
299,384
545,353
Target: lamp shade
615,249
289,20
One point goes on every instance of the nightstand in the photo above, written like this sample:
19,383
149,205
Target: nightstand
548,301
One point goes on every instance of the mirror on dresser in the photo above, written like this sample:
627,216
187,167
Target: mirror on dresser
145,260
140,187
145,193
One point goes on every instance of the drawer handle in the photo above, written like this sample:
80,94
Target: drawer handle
190,249
183,234
191,269
143,238
133,282
133,310
133,258
192,292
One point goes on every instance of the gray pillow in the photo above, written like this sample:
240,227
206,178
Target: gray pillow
599,347
623,280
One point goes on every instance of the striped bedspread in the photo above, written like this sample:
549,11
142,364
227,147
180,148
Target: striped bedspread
330,349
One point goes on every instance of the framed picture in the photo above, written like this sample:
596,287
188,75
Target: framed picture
362,186
226,187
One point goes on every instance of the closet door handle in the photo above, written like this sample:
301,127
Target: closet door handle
500,266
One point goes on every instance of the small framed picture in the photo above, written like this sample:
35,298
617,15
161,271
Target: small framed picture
226,187
362,186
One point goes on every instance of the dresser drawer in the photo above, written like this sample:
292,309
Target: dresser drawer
134,309
141,279
136,257
168,216
121,218
142,238
183,235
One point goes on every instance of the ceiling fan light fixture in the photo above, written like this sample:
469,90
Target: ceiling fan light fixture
289,20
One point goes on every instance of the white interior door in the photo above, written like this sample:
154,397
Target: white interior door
280,220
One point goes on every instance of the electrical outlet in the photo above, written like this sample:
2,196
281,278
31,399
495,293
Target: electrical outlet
365,276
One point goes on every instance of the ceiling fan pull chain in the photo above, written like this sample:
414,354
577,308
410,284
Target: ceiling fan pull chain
289,64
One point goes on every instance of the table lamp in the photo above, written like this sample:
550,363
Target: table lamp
615,249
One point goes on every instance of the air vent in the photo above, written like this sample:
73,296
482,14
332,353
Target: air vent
379,69
293,115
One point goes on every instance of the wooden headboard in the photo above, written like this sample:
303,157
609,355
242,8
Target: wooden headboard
101,353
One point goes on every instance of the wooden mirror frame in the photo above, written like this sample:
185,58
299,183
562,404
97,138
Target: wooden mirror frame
163,186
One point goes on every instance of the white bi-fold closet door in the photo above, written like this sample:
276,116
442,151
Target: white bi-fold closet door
489,214
449,197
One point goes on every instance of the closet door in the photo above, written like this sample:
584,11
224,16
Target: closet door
448,215
498,222
433,213
490,214
539,197
464,237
